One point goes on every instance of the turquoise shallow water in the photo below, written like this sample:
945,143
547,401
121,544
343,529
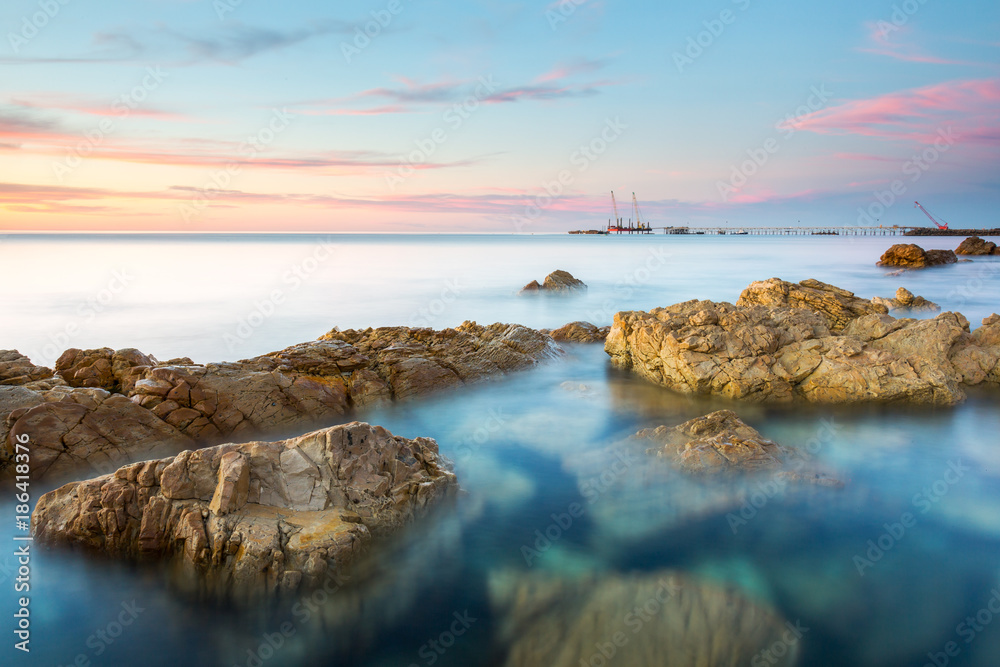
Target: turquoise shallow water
524,445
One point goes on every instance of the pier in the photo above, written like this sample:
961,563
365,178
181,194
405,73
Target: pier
827,231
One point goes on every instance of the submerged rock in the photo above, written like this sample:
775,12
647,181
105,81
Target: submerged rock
246,520
977,246
912,256
557,281
905,301
166,407
781,354
580,332
664,618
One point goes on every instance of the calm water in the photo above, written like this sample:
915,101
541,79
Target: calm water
530,445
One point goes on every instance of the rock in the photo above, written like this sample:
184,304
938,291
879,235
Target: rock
977,246
713,443
105,368
556,622
249,520
912,256
906,302
557,281
562,281
161,405
80,428
580,332
781,354
17,369
413,362
838,305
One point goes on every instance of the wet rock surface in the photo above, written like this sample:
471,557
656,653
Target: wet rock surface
254,519
912,256
580,332
558,282
906,302
781,354
661,618
123,404
977,246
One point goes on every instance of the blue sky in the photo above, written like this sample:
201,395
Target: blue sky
210,115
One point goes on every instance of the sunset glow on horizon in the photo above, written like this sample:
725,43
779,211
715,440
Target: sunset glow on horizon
410,115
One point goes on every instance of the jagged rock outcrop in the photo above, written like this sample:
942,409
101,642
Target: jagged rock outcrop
246,520
781,354
912,256
662,618
17,369
303,386
558,281
838,305
977,246
580,332
906,302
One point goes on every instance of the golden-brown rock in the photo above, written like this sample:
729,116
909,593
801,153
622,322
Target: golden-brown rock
244,521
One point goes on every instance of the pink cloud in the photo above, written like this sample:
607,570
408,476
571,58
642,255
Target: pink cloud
970,108
880,43
91,107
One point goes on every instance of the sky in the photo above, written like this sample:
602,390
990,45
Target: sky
483,116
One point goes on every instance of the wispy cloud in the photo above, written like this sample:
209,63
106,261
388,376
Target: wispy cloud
884,41
970,107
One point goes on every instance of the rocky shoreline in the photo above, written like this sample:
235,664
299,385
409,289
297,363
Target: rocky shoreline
245,520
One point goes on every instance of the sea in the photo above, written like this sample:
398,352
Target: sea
900,566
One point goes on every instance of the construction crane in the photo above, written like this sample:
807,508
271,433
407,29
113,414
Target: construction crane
635,206
615,205
939,225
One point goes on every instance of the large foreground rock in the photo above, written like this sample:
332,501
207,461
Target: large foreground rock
246,520
977,246
664,618
781,354
125,404
912,256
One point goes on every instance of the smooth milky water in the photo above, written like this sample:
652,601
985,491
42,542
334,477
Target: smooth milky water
520,445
